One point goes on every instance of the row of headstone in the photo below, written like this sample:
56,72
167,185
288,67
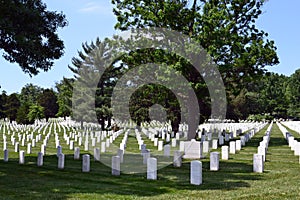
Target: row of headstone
260,157
292,142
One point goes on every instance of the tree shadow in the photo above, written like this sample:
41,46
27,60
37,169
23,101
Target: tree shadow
29,181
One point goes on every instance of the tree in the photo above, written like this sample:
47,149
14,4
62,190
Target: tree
48,101
3,100
225,29
293,95
91,93
30,93
64,97
11,107
28,34
22,114
35,112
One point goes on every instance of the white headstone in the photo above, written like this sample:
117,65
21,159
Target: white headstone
76,153
115,166
121,155
205,146
238,145
232,147
59,150
40,159
146,155
61,161
196,172
177,162
22,157
173,143
258,163
193,150
167,149
152,169
225,153
86,163
96,154
103,147
215,144
6,155
160,145
214,161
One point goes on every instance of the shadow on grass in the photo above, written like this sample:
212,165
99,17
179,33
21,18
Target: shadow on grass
47,182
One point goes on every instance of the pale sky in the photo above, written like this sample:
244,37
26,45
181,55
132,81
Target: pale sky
90,19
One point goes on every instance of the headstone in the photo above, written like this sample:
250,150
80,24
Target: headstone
6,155
258,163
155,142
221,140
160,145
238,145
177,162
297,149
214,161
181,146
59,150
40,159
227,137
29,148
43,149
215,144
86,145
205,146
86,163
261,150
196,172
103,147
173,143
146,155
71,145
121,155
225,153
232,147
167,149
76,153
115,166
193,150
243,140
22,157
96,154
17,147
152,169
61,161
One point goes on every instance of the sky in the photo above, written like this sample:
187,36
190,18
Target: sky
89,19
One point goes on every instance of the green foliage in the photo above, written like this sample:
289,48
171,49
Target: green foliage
11,107
64,97
3,100
36,112
30,93
293,95
22,114
48,101
225,29
28,34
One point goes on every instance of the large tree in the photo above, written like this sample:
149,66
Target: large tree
293,95
64,97
48,100
11,107
225,29
28,34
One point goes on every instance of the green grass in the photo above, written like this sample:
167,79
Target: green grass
235,180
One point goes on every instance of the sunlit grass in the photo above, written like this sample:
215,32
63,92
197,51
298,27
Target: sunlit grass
235,180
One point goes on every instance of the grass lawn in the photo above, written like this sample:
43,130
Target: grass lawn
235,180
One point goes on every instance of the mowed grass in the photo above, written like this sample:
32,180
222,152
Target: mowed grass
234,180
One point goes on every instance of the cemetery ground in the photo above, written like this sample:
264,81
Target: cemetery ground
234,180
